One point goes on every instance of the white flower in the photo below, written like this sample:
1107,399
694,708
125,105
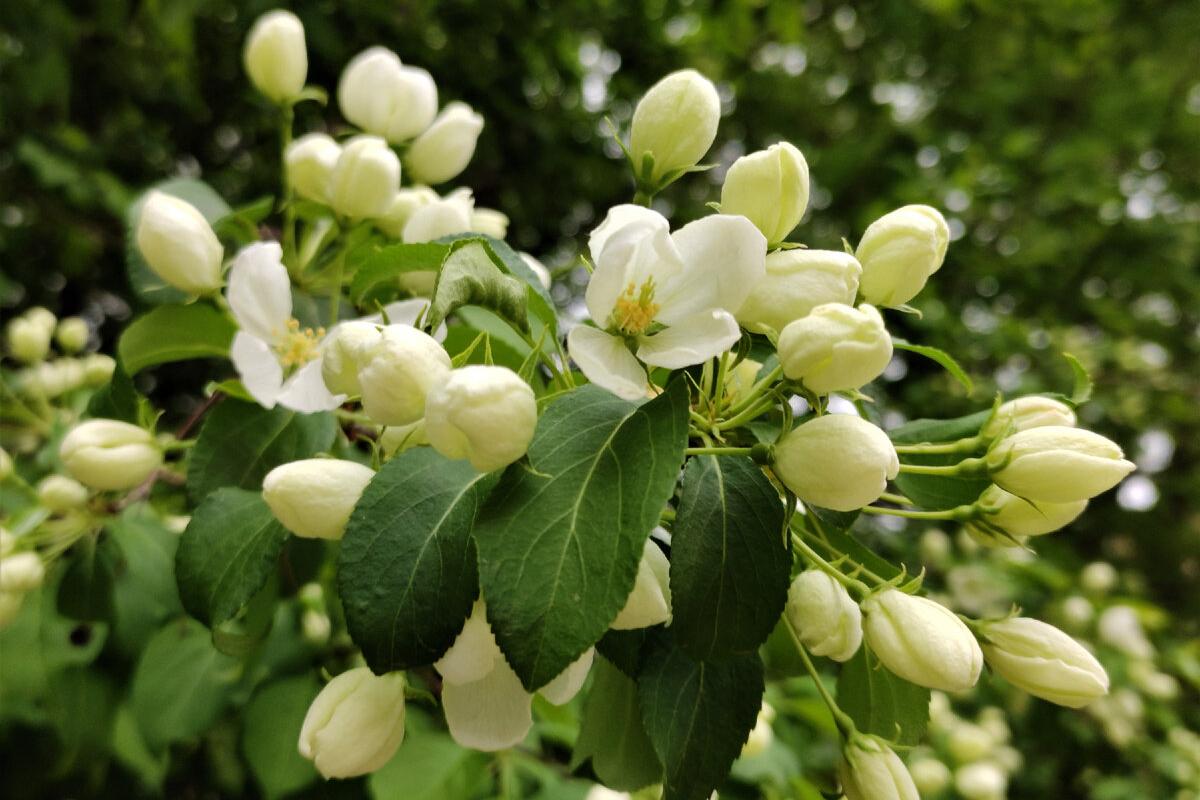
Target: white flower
669,296
1119,627
355,724
649,602
440,217
446,146
275,57
405,202
981,781
382,96
399,373
539,269
1044,661
490,222
922,641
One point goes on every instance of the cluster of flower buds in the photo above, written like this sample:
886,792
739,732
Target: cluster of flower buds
972,756
29,340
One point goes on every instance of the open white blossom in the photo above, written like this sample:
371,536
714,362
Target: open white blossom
669,297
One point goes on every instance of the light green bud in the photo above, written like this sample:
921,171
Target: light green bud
1024,413
382,96
930,776
344,352
59,493
870,770
484,414
178,244
72,334
1044,661
770,188
1120,627
1057,464
406,201
922,641
1099,577
981,781
1019,518
439,217
898,253
313,498
969,742
275,56
445,148
365,178
28,341
490,222
676,121
824,616
835,348
109,455
404,366
42,317
355,724
21,572
310,162
797,281
837,461
98,369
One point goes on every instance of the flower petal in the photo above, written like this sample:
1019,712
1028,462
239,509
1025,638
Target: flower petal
407,312
260,292
474,651
493,713
607,363
618,217
305,391
726,256
258,368
691,340
568,682
638,251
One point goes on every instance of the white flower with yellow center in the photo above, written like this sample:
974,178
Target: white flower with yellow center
664,299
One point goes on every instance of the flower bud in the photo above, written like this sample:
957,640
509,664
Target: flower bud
365,178
490,222
315,626
870,770
676,122
770,188
402,369
824,616
649,603
898,253
445,148
380,95
835,348
484,414
1057,464
1077,611
178,244
72,334
930,776
21,572
1099,577
1008,514
109,455
355,724
28,341
98,369
1153,683
275,57
1023,413
1120,628
344,352
797,281
969,742
981,781
59,493
313,498
922,641
442,217
42,317
1044,661
310,162
539,269
837,461
404,204
10,607
935,547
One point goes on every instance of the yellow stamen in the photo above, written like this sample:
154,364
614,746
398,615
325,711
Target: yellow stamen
297,347
635,309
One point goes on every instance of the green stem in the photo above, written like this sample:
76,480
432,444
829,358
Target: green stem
947,514
843,721
750,413
965,468
718,390
858,567
335,293
545,358
641,198
718,451
756,391
853,584
898,499
967,445
179,445
289,217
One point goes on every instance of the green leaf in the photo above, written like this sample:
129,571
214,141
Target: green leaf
226,554
1082,390
181,684
146,284
145,595
406,572
881,703
469,276
612,735
86,590
175,333
698,715
625,649
82,705
385,266
729,565
939,491
540,302
560,543
431,766
119,399
941,357
240,443
270,727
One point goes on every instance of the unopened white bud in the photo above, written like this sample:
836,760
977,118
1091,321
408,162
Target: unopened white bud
837,461
930,776
313,498
1153,683
344,352
649,603
770,188
28,341
400,372
489,222
310,162
1044,661
445,148
835,348
59,493
1024,413
935,547
355,724
442,217
1077,611
316,626
797,281
484,414
275,56
21,572
824,615
382,96
676,121
1120,628
1057,464
1099,577
109,455
870,770
969,742
365,178
981,781
42,317
98,369
404,204
899,251
1005,513
178,244
72,334
922,641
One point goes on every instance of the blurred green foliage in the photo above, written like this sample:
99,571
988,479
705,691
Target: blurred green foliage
1061,139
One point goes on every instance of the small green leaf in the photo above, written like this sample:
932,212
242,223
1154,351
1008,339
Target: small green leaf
144,594
469,276
382,268
406,572
175,333
698,715
226,554
941,357
431,766
86,590
881,703
560,542
270,727
1082,390
729,565
612,735
240,443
